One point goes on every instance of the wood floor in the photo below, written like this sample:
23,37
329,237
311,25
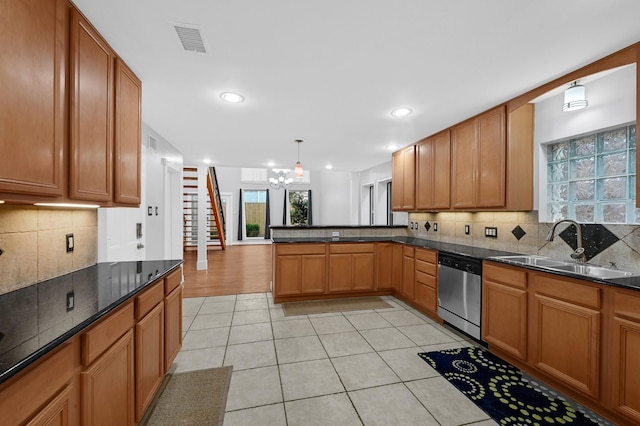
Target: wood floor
238,269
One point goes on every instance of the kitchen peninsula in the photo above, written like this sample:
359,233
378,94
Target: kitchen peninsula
95,343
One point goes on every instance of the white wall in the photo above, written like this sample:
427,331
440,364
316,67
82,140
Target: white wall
161,172
377,176
612,101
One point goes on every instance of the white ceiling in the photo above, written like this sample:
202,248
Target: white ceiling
329,72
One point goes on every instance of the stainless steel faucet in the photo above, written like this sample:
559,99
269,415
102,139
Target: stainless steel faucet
578,253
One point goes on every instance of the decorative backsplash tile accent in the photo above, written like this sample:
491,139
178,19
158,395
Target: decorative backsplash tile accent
427,225
518,232
595,239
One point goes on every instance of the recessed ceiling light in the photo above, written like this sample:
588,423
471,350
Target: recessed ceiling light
206,161
401,112
231,97
271,164
391,147
328,167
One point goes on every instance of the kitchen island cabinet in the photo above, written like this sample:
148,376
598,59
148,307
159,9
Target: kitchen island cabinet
299,269
351,267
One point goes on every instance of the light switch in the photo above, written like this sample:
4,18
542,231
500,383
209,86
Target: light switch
70,243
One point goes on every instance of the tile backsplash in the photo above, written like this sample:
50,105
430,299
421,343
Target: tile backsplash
520,232
33,243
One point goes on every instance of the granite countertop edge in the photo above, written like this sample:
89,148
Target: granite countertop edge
58,341
630,283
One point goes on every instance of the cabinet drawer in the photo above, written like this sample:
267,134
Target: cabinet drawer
149,299
106,333
429,256
427,268
569,290
627,304
511,276
172,281
351,248
407,251
425,279
291,249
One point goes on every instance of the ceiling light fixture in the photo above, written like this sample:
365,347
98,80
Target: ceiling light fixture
401,112
298,172
391,147
575,97
282,181
328,167
231,97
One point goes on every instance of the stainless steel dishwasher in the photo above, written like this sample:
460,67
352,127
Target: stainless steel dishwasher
460,292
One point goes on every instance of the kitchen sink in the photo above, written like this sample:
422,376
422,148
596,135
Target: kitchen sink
586,270
595,271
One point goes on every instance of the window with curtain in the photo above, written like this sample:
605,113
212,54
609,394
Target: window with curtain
255,209
591,178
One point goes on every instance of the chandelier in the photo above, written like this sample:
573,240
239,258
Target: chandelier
282,181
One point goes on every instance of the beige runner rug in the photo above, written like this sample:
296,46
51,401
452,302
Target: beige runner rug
191,398
334,305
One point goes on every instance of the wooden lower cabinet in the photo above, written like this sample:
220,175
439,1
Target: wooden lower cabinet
566,331
299,269
351,267
397,264
108,386
426,272
625,360
504,308
384,266
57,412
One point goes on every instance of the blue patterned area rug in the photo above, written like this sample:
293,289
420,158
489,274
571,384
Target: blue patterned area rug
501,390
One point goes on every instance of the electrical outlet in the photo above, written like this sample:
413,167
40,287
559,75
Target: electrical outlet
491,232
70,301
467,230
435,226
335,233
70,243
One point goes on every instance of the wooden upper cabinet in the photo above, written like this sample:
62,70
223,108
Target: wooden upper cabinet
91,113
478,170
128,116
433,172
403,164
32,87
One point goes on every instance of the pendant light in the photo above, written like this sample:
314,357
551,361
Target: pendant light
298,172
575,97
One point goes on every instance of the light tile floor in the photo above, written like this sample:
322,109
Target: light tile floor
350,368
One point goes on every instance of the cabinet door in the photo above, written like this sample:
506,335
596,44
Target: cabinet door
149,358
504,318
288,275
340,272
127,142
384,266
403,165
433,172
491,164
56,413
397,180
398,266
363,265
172,326
32,86
408,273
625,372
108,386
91,127
566,332
463,152
313,273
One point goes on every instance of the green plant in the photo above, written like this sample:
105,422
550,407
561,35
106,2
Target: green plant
253,230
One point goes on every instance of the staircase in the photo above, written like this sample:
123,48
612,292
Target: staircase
215,218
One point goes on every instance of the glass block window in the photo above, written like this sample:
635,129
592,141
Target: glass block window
592,178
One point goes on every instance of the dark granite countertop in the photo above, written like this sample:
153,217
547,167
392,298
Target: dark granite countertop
34,320
632,283
297,227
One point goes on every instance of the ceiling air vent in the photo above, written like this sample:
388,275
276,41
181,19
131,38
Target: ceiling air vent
190,37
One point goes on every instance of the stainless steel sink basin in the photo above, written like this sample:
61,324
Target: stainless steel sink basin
586,270
532,260
595,271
